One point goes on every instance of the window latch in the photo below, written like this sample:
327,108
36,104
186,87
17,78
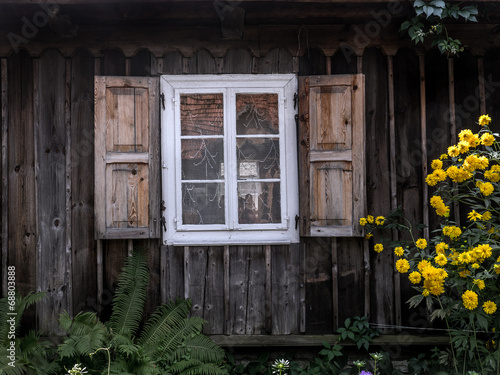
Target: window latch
163,223
296,221
295,98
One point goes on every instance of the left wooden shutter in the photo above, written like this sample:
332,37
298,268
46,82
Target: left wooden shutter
127,174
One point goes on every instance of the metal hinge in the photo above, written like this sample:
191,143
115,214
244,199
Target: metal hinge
162,97
295,98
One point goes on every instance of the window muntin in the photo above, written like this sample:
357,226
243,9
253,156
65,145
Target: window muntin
233,181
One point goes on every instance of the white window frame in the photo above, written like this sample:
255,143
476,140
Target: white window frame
231,233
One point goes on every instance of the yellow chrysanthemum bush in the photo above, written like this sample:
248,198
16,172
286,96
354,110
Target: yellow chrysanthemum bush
457,271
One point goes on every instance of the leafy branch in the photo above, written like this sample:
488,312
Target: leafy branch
429,19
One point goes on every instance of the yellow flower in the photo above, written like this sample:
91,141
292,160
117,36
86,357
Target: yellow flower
484,120
421,243
378,247
487,139
452,231
441,259
479,283
443,157
425,292
486,188
369,218
362,221
453,151
463,147
492,175
469,299
473,216
464,273
380,220
368,235
486,215
475,265
441,247
422,264
415,277
399,251
437,164
489,307
402,265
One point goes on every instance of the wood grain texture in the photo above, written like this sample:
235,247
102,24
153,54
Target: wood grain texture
50,139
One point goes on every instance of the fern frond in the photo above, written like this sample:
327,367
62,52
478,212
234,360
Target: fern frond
163,320
194,367
84,345
175,337
130,296
81,324
200,348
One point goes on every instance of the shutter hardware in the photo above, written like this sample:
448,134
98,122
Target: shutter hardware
295,98
162,97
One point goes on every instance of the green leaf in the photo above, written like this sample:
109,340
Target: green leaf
438,3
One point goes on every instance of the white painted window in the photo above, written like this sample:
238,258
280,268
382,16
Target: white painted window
229,159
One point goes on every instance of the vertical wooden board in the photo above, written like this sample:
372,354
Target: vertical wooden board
313,62
172,63
344,61
113,63
153,247
350,278
4,187
238,288
285,289
84,274
115,253
438,119
205,62
285,61
492,87
50,137
21,206
140,64
256,307
213,311
378,179
174,273
408,150
237,61
197,268
467,101
269,63
318,272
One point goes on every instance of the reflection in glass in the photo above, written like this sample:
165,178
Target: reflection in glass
257,114
202,159
203,203
259,202
202,114
260,156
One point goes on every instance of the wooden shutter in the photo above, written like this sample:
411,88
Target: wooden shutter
331,155
127,175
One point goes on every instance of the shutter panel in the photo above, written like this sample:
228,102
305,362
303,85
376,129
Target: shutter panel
127,180
331,155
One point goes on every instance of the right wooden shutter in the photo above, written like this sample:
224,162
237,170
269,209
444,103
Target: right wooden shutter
331,155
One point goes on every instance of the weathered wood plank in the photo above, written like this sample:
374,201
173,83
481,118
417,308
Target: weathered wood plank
140,64
205,62
172,63
378,179
351,278
113,63
408,150
313,62
344,61
438,129
286,285
114,254
19,148
269,63
237,61
50,138
174,274
238,289
82,181
196,268
256,308
4,185
318,271
213,309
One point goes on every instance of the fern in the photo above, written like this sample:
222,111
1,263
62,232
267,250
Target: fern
130,297
164,319
195,367
175,338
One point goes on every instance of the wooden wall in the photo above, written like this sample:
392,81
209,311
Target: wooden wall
415,106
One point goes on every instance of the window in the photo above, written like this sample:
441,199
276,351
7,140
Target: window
229,159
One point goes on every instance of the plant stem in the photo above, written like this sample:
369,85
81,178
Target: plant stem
449,334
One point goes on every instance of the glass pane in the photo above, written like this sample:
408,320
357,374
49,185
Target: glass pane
202,114
259,202
257,114
202,203
258,158
202,159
